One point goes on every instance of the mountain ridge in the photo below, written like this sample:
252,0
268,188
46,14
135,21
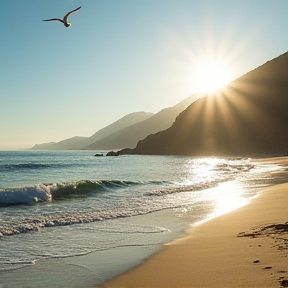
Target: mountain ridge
129,136
248,117
78,142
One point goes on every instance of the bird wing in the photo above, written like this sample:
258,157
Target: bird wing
53,19
66,16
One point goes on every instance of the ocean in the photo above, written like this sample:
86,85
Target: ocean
69,219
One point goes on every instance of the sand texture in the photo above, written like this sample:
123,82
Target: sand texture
244,248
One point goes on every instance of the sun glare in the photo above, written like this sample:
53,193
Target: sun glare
211,76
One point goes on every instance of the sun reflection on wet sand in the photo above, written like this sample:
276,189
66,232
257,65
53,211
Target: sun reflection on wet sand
229,197
226,197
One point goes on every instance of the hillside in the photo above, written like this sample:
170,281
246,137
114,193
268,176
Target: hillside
249,117
77,142
43,146
129,136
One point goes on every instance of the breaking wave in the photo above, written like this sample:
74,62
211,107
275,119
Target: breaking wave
58,191
118,208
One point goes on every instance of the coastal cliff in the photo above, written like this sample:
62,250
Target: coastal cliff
248,117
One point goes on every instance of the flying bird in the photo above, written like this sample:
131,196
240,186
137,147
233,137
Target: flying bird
65,18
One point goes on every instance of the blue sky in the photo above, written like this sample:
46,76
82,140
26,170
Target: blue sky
119,57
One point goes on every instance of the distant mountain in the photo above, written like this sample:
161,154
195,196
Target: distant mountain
73,143
77,142
122,123
249,117
43,146
129,136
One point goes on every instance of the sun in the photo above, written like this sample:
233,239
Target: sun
211,76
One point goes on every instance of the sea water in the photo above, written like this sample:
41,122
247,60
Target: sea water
69,219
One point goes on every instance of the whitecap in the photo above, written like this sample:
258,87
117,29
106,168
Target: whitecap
29,195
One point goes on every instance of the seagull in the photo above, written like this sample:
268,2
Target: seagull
65,18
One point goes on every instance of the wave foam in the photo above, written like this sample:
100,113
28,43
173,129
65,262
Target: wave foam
58,191
39,193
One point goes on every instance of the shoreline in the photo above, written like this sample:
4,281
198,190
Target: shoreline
247,247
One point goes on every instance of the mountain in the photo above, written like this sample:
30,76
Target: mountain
78,142
43,146
249,117
73,143
129,136
122,123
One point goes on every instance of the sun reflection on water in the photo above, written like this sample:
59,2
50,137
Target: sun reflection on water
214,188
205,168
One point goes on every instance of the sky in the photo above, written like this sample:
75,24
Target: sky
120,57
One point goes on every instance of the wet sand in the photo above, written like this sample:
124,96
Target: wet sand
244,248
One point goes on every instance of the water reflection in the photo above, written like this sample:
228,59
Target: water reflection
201,169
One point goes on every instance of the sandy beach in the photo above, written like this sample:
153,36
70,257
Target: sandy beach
244,248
